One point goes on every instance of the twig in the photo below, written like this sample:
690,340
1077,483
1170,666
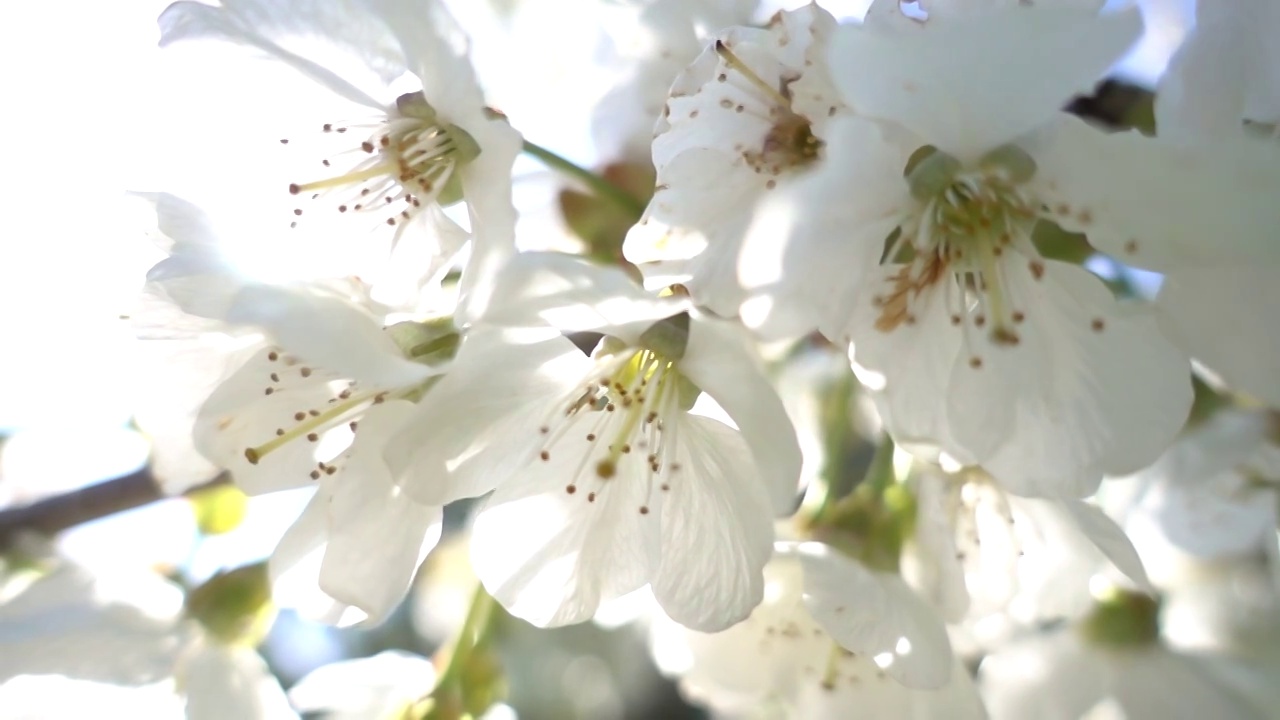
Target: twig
55,514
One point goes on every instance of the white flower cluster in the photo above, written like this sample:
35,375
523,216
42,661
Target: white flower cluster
900,189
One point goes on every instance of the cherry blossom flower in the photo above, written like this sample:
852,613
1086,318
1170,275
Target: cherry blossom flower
979,551
1043,377
126,628
606,476
781,662
278,422
429,140
746,115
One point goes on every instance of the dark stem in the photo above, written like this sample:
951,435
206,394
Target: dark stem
53,515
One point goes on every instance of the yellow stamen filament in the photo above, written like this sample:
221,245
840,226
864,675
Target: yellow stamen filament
313,422
736,63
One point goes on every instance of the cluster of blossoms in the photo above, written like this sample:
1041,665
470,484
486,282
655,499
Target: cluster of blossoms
902,197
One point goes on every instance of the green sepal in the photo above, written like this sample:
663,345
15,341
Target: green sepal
1123,619
235,606
668,337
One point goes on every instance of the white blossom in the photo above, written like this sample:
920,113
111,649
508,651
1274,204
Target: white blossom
979,551
748,114
1026,366
781,663
428,140
605,476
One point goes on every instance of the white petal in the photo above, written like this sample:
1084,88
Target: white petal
183,366
701,192
482,420
969,97
551,555
938,572
1093,386
486,185
375,686
1224,72
270,27
1107,536
1166,684
328,332
572,294
378,535
914,361
719,360
1053,677
71,622
876,614
1225,318
812,240
717,530
254,406
224,681
294,568
875,695
1217,200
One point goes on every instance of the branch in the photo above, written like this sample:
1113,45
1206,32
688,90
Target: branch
55,514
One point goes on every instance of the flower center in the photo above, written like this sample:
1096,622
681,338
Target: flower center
790,142
624,411
409,160
958,235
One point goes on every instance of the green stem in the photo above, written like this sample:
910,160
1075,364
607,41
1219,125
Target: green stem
475,631
605,189
879,474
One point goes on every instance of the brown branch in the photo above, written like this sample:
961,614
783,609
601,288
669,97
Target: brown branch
53,515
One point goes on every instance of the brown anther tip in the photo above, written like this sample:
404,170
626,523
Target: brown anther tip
306,372
1098,325
312,437
1004,336
975,362
294,189
284,141
571,488
606,469
644,510
299,416
544,455
591,497
366,146
268,391
297,211
315,474
252,456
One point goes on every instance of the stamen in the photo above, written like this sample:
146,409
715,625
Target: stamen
735,63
